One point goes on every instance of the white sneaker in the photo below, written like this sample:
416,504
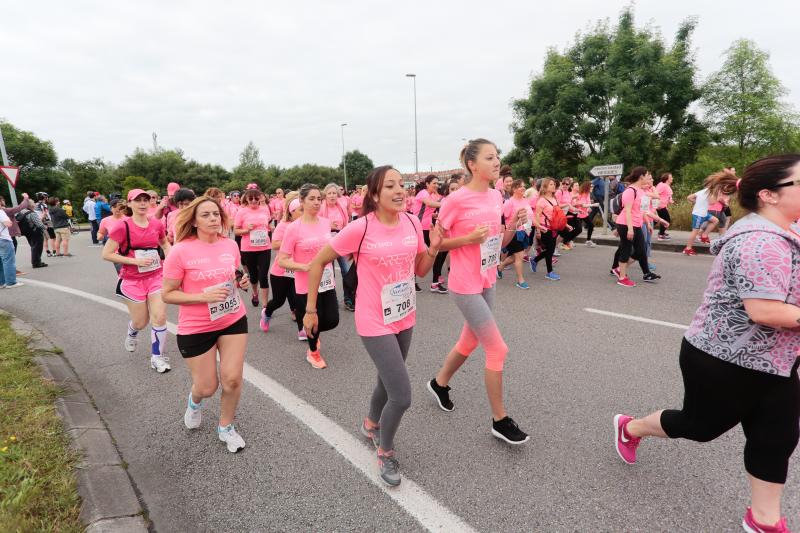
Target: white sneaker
232,440
193,417
160,364
130,343
590,244
556,254
15,285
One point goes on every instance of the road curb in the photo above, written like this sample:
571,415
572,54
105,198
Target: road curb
109,500
610,240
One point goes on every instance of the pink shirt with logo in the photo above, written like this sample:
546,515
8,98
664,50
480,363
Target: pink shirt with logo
631,197
200,265
259,217
387,257
334,213
461,212
512,205
302,241
664,195
277,236
148,237
418,207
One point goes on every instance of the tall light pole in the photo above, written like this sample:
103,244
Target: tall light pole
344,159
416,146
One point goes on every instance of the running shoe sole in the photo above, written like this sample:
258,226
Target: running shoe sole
230,446
436,397
616,440
504,439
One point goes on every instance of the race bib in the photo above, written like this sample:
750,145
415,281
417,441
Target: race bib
148,254
229,305
490,252
326,283
288,273
258,237
398,300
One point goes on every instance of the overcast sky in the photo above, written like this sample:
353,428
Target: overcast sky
97,78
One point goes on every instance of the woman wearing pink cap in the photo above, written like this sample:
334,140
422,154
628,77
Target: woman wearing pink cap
137,243
282,280
471,220
388,249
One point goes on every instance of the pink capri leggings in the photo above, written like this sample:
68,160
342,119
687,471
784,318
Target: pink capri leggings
480,328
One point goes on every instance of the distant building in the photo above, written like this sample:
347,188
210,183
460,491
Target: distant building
413,178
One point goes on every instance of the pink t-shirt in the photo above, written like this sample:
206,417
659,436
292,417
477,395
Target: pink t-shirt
151,211
498,185
409,202
664,195
108,223
461,212
276,208
231,209
259,217
418,207
533,199
171,218
302,242
547,204
334,213
385,265
563,197
631,197
512,205
583,199
357,201
277,236
200,265
148,237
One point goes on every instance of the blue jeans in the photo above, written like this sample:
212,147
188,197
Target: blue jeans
8,261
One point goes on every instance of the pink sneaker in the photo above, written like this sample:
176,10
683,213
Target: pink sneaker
751,526
614,272
264,323
625,444
626,282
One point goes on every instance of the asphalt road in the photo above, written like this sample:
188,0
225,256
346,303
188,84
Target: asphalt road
568,372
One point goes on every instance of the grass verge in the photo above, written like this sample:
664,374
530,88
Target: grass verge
38,491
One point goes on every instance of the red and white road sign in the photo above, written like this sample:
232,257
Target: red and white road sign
11,174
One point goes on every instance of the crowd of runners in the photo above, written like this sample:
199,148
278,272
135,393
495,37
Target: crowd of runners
207,253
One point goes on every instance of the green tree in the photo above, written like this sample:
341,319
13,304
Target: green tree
135,182
200,177
294,177
359,165
743,104
159,167
250,169
91,175
37,160
617,95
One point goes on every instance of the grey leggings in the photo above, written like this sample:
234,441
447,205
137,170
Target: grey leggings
392,395
480,328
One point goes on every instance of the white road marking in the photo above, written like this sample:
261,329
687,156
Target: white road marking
637,318
431,514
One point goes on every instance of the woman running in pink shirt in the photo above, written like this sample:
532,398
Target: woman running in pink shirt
252,225
388,249
302,240
471,220
202,276
282,280
516,246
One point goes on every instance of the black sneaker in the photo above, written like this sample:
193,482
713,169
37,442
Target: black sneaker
650,277
442,395
417,287
442,288
508,430
40,265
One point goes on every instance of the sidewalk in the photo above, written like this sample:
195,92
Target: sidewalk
676,244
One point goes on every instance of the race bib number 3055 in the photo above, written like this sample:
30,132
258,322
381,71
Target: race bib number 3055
398,300
229,305
490,252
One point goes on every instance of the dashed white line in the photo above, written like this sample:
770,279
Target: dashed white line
431,514
636,318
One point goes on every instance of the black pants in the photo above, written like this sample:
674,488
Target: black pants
635,248
589,224
257,264
569,235
36,242
718,395
327,313
14,240
438,263
548,241
663,212
282,290
95,227
594,212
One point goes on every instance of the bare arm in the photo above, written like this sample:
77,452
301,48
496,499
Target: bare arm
110,254
772,313
286,262
323,257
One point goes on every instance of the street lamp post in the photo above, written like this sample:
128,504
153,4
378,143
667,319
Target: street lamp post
344,159
416,145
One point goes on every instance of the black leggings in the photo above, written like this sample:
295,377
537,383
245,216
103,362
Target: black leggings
327,314
257,264
635,248
589,224
663,212
569,235
438,263
282,290
718,395
548,241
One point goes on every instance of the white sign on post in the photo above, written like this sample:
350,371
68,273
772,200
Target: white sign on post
606,170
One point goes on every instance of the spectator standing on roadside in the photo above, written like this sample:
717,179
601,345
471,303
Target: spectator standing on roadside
43,211
101,208
31,227
60,221
8,260
12,214
88,208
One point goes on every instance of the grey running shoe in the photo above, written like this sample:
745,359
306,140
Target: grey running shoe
389,469
373,434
